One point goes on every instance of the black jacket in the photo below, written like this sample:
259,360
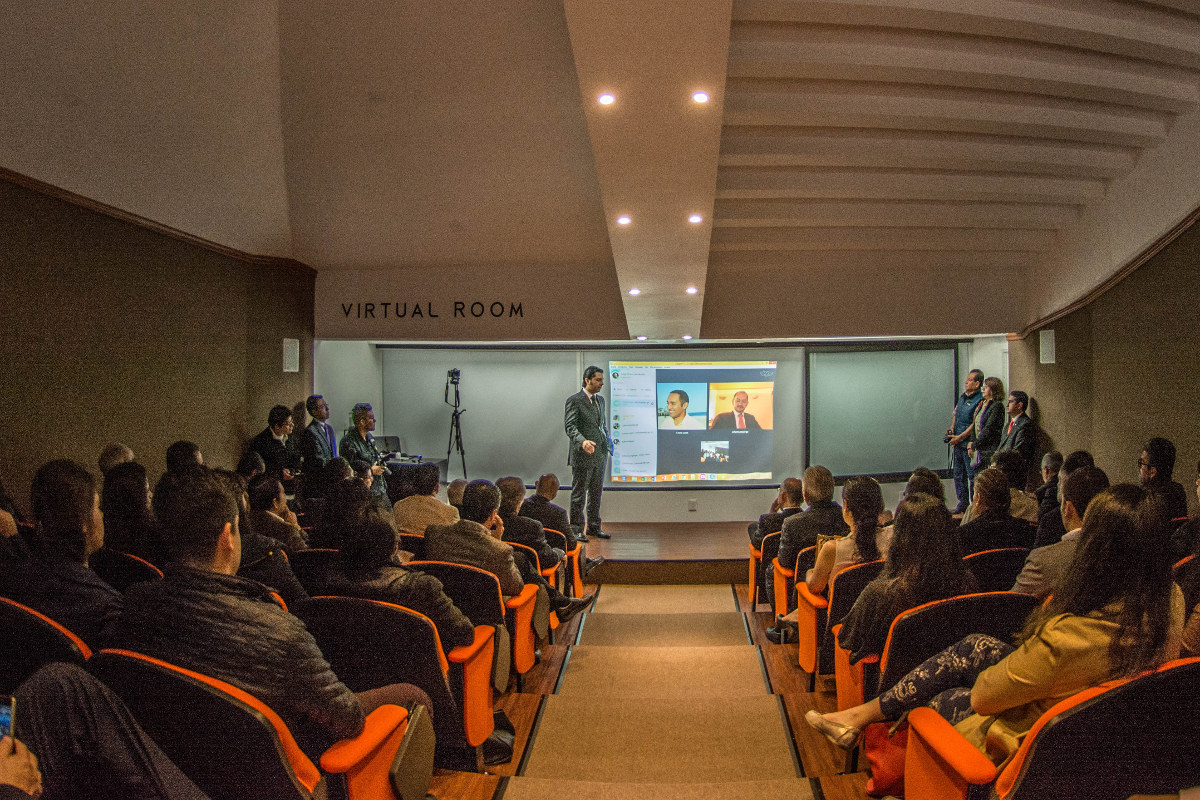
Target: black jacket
529,532
550,515
800,530
231,629
992,530
1050,525
411,589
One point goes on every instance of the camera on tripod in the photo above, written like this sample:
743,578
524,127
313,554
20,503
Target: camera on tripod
453,375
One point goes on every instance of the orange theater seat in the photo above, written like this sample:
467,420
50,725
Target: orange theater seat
30,639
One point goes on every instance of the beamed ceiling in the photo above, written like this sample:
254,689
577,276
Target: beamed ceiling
861,167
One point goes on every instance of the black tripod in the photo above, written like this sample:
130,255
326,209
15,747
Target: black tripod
456,442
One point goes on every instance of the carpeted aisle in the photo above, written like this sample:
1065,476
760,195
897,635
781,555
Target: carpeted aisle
663,696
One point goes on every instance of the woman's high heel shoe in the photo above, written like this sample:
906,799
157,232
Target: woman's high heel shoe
842,736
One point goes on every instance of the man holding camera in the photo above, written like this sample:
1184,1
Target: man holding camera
959,432
359,445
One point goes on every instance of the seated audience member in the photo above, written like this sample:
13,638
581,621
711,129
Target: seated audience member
418,511
203,617
523,530
112,455
789,501
402,485
1045,566
183,455
272,444
1049,520
1022,504
83,743
1187,536
8,506
1050,525
270,515
822,517
369,569
540,506
924,481
1155,467
1117,614
129,525
250,464
363,472
263,559
345,499
52,575
454,494
476,540
993,526
866,541
924,563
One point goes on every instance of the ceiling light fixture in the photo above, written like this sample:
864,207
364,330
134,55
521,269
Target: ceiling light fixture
605,99
623,220
634,292
700,97
641,338
687,337
695,219
692,290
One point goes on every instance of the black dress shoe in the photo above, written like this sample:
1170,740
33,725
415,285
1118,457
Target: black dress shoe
590,564
572,609
600,535
581,537
774,636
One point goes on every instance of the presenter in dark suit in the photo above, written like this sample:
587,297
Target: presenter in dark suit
585,421
1020,433
317,443
737,419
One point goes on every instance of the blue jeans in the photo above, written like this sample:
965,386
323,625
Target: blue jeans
963,478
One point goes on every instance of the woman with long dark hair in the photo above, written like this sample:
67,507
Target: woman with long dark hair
1116,613
924,563
129,525
862,503
989,421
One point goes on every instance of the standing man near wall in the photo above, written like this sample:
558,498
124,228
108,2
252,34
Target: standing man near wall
359,445
585,421
318,445
959,432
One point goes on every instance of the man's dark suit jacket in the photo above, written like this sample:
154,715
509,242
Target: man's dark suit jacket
274,454
315,449
728,421
992,530
585,421
771,523
529,532
1022,438
1050,525
551,516
800,530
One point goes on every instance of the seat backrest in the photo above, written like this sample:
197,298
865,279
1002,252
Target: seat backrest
475,591
413,543
847,585
369,644
313,567
122,570
770,549
556,539
928,629
1135,737
229,743
996,570
806,559
30,639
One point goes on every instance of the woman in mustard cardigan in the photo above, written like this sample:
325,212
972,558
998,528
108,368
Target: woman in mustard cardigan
1117,613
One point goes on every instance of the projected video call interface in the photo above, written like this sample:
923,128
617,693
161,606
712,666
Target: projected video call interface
691,421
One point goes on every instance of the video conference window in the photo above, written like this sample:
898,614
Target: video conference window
692,421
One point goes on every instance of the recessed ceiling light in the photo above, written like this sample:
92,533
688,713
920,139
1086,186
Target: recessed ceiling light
623,220
687,337
635,291
695,219
605,99
641,338
692,290
700,97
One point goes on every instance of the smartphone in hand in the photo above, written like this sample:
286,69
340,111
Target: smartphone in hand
7,715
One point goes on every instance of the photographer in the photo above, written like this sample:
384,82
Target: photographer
359,445
959,433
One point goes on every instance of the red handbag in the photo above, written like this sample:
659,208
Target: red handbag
884,749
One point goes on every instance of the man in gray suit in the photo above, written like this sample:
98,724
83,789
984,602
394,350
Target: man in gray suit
1045,566
586,424
317,442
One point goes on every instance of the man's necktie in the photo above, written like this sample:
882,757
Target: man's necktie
741,422
329,438
1008,430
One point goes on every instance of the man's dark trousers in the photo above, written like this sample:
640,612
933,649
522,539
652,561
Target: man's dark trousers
587,481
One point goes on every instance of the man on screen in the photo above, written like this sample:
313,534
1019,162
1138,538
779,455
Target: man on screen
737,419
677,418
